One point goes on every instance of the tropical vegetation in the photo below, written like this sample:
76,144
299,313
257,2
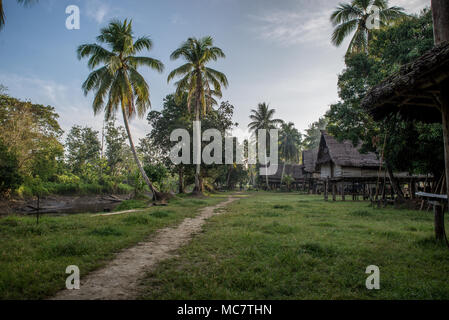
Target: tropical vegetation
117,83
199,82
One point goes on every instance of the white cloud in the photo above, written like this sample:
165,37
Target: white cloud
98,10
411,6
176,18
307,24
291,28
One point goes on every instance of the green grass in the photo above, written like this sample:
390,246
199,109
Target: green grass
286,246
131,204
33,258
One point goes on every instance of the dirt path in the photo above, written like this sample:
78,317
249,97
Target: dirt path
120,278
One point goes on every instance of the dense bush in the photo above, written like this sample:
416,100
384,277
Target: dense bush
9,170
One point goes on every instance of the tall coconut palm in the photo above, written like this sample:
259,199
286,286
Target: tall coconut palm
117,82
289,144
262,118
2,12
355,16
196,79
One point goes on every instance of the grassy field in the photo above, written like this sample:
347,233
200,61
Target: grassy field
286,246
33,258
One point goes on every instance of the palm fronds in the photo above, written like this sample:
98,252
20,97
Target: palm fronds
199,82
354,17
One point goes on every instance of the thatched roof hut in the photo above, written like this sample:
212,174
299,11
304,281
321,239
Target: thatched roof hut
344,160
309,161
413,92
294,170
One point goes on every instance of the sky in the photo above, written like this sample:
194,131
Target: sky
278,52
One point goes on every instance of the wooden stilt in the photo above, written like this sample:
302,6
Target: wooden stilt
334,191
439,221
412,189
353,191
326,195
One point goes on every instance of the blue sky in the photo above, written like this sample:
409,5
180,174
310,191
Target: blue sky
278,52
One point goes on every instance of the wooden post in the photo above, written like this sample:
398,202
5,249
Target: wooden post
353,191
326,184
343,198
445,117
440,12
412,189
439,221
363,192
334,191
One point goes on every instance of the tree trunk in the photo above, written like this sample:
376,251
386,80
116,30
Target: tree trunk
198,168
198,187
133,149
181,180
394,183
282,175
266,171
440,12
229,177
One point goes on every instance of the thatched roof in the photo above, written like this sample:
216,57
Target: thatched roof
414,90
309,160
294,170
344,153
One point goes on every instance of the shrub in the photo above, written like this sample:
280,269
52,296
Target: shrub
68,178
9,170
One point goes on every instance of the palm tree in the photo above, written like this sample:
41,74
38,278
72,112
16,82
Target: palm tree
2,12
197,80
312,136
290,140
116,82
354,16
262,118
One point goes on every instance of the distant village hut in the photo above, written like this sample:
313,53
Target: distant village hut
293,170
344,169
312,176
342,166
305,176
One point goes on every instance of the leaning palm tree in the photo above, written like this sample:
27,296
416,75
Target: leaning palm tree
289,144
197,80
355,16
262,118
2,12
117,82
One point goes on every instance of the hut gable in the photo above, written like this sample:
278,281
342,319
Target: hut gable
309,158
343,154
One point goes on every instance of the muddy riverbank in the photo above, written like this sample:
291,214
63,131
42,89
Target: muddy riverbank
63,204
